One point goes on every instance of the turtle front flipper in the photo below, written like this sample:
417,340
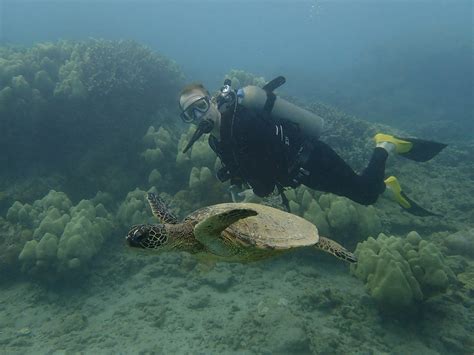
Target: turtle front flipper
336,249
159,209
208,231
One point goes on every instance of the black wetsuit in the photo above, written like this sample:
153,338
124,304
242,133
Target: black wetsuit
264,154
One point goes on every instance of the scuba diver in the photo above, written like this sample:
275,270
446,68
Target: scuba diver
266,142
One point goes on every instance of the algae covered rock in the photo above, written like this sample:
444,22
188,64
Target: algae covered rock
44,83
199,155
155,178
64,237
83,235
334,215
205,188
91,93
12,239
400,272
21,87
47,247
71,86
341,214
135,209
53,223
241,78
161,146
47,210
349,220
28,253
319,219
21,213
461,242
200,178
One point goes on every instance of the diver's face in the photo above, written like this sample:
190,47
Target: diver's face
197,106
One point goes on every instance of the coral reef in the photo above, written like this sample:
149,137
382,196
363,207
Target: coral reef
62,238
134,209
116,130
467,278
241,78
199,155
91,95
160,147
12,239
104,69
461,243
335,216
190,176
401,272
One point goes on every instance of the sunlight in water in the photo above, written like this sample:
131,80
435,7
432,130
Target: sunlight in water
314,9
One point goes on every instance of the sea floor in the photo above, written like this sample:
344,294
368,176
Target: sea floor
300,303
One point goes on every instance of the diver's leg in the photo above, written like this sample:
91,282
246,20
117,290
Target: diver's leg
328,172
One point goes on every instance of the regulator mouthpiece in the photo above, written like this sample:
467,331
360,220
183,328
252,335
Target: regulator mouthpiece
205,126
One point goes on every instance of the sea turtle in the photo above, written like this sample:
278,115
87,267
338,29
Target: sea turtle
232,232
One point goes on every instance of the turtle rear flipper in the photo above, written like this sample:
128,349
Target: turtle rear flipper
208,231
336,249
160,210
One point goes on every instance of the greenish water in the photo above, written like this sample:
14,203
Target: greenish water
88,126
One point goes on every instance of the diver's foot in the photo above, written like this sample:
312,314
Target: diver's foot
392,144
395,191
410,148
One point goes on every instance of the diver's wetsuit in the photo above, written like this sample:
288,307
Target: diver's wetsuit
264,154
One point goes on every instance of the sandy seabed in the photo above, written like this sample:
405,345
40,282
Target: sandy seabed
301,303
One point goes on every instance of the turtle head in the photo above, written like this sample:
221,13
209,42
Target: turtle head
148,236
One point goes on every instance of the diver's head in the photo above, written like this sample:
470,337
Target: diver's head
199,108
196,105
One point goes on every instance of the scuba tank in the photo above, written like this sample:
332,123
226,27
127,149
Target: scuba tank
264,100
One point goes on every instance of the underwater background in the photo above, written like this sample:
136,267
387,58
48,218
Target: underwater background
89,123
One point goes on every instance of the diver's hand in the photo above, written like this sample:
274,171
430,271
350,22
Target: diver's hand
239,195
247,195
234,193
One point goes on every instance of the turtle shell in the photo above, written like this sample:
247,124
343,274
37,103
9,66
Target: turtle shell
270,228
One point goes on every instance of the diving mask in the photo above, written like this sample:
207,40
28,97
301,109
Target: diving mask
196,109
200,112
